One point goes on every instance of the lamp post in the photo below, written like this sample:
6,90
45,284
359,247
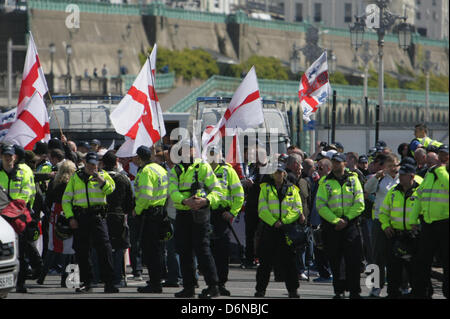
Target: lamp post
427,65
69,53
366,57
294,58
384,20
120,56
52,49
333,62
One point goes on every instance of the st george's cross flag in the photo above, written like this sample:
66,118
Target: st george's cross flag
314,86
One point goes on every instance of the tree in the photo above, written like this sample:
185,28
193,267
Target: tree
266,68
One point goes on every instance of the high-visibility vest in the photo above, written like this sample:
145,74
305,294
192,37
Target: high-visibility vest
151,186
396,209
270,210
20,186
78,193
426,141
334,201
231,188
45,167
181,181
432,196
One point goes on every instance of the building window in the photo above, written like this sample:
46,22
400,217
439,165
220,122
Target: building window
418,15
348,12
317,12
418,2
434,2
422,31
299,12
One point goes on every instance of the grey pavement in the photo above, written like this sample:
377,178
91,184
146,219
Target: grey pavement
241,285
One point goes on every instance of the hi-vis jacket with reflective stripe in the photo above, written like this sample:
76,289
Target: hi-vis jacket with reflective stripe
150,187
270,210
180,186
433,196
231,188
426,141
75,193
396,209
19,184
334,201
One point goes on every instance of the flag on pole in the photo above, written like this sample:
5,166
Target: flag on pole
31,125
314,86
6,120
33,78
244,111
139,116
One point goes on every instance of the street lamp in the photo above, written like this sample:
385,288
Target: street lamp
52,49
120,56
385,20
427,65
333,62
294,58
69,53
366,57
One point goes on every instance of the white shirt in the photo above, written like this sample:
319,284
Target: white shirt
380,188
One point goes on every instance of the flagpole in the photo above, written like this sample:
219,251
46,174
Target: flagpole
54,113
156,106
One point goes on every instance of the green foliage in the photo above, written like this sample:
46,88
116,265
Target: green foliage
389,81
338,78
188,63
438,83
266,68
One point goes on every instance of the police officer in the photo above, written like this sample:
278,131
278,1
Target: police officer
432,203
421,139
340,201
19,184
193,188
395,219
150,185
222,214
279,205
84,204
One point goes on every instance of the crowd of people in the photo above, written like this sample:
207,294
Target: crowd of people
328,215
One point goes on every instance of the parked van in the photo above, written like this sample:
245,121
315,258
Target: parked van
9,258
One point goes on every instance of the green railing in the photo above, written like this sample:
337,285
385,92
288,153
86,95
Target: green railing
164,81
159,9
288,91
85,6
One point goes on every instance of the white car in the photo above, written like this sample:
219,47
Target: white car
9,254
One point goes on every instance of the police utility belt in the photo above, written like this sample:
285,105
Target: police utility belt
98,210
156,213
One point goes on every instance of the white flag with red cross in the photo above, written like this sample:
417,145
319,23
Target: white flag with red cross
32,123
138,115
244,111
314,86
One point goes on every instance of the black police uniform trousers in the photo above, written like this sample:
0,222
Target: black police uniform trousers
27,250
395,266
151,248
220,245
433,237
274,252
344,244
193,238
251,224
92,230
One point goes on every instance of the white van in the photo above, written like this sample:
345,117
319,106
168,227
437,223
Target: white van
9,258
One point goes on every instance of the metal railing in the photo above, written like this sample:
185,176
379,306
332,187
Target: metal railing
86,6
164,81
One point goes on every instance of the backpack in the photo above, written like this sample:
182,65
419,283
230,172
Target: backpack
15,212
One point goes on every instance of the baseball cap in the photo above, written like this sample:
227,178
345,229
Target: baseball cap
443,148
92,158
339,145
363,159
84,144
8,149
381,144
95,142
407,169
329,153
143,151
281,167
338,157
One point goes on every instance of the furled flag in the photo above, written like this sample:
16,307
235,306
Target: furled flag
139,116
32,123
314,86
244,111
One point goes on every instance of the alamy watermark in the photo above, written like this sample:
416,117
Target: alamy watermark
373,277
73,19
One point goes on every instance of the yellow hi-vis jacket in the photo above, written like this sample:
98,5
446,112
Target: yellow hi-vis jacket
396,209
19,184
231,188
270,209
150,186
78,193
335,201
